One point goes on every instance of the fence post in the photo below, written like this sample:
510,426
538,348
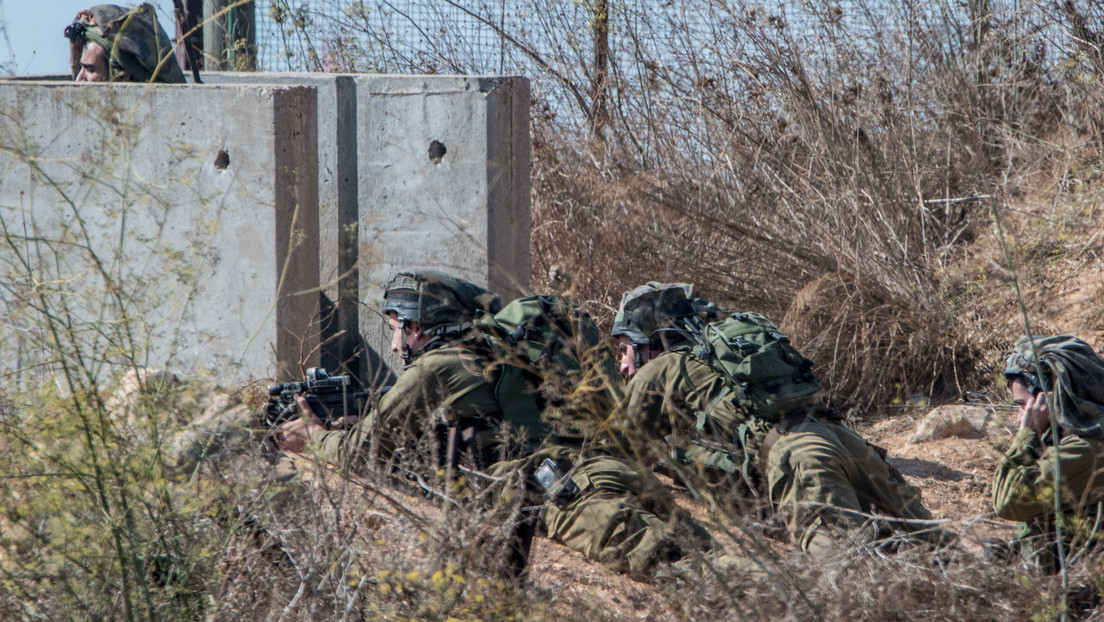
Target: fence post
229,35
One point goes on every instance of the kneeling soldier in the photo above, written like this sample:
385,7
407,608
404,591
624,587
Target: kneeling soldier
1058,387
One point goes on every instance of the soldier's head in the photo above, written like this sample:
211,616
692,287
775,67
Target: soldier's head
651,319
110,43
1069,370
427,307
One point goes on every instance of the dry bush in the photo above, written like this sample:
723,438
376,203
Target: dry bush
869,346
869,586
754,149
377,545
842,155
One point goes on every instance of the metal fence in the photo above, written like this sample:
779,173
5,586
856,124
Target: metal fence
402,33
408,32
554,38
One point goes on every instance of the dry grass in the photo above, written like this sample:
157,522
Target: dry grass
832,180
809,171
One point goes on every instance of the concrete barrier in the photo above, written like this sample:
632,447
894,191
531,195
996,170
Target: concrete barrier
168,226
410,172
443,169
414,172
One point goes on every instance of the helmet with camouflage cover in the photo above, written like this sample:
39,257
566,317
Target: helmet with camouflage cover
1068,367
654,307
441,303
133,40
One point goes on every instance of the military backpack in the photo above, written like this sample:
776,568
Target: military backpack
768,375
549,361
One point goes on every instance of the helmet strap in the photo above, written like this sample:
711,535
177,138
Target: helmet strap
638,360
406,351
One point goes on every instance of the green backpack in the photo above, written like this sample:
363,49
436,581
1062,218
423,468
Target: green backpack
768,375
551,363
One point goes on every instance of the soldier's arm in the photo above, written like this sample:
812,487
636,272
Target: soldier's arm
399,417
1023,487
710,400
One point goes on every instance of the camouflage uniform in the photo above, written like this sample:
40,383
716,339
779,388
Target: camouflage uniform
620,516
623,517
446,379
821,476
133,39
824,478
679,400
1024,484
1023,491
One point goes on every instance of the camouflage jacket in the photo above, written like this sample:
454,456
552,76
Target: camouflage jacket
1023,490
679,399
439,384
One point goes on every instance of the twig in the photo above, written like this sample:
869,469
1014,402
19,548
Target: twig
973,197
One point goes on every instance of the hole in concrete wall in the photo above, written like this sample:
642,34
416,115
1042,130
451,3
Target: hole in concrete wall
222,160
437,151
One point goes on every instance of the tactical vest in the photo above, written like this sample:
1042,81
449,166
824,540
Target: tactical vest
766,374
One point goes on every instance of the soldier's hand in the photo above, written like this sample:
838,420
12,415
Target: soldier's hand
1035,414
293,435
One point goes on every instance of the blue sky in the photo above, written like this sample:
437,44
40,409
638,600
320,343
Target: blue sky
34,30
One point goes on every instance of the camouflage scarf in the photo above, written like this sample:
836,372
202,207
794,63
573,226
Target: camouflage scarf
1074,374
133,39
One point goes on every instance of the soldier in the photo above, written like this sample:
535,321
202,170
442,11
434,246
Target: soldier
602,506
110,43
823,478
1057,385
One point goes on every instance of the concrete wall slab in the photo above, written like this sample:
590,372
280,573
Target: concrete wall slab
159,225
444,184
409,172
385,204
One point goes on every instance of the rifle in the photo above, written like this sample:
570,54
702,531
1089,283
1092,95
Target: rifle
975,399
330,397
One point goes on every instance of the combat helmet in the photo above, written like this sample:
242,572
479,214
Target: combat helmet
443,305
659,311
1068,369
133,39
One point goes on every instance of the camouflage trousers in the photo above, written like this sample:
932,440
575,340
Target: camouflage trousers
623,517
825,480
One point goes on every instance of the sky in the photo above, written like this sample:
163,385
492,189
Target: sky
35,44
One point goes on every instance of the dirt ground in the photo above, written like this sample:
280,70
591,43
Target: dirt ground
954,474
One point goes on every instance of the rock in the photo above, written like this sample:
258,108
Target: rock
953,420
125,404
222,429
196,422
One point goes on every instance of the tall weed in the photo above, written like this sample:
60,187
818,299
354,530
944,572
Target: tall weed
765,150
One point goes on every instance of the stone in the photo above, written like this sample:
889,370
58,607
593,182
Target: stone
953,420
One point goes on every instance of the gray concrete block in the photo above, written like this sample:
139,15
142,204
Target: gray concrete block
337,206
383,201
386,205
174,226
444,184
